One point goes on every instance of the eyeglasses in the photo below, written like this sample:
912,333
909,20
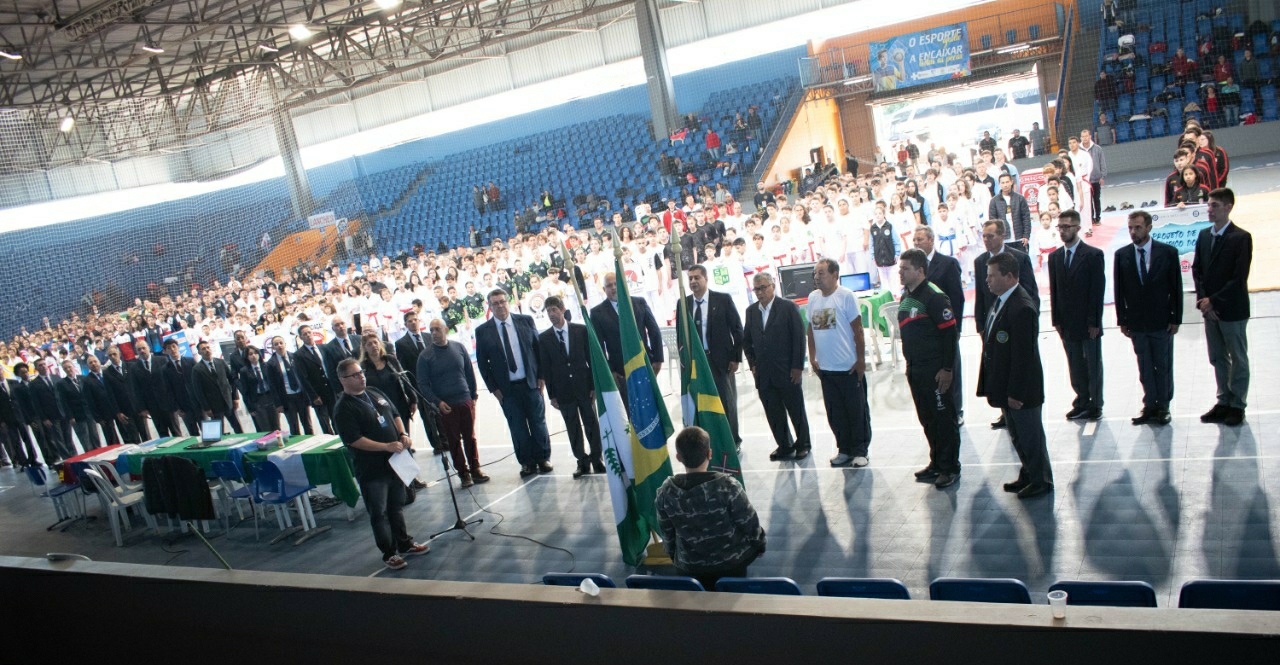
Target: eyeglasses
761,288
352,376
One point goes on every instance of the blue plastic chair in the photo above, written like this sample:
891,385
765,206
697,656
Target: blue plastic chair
664,583
1231,595
574,579
986,42
979,590
778,586
228,472
863,587
1033,32
1108,594
269,487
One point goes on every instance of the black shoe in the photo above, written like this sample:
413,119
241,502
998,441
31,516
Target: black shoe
584,467
1215,415
528,470
1015,486
418,484
999,423
802,453
1161,417
597,466
1077,414
927,474
544,467
960,420
1143,418
1233,418
946,480
781,453
1034,490
1093,415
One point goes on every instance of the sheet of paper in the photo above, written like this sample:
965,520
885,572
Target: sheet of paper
405,466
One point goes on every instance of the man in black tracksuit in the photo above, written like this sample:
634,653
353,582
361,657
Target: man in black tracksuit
928,328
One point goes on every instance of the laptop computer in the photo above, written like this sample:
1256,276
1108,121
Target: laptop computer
858,282
210,434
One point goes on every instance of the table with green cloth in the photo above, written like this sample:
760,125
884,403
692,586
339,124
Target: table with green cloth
870,305
326,465
182,447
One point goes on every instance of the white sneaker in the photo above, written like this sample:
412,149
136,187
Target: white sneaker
841,460
860,461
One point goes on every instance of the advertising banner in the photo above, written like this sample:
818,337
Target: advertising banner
921,57
1180,227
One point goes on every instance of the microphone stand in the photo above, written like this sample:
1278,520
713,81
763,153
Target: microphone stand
430,413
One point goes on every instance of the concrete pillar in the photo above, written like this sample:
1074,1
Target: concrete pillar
662,96
294,174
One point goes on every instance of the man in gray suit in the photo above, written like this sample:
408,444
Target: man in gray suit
214,388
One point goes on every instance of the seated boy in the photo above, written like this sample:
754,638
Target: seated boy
707,523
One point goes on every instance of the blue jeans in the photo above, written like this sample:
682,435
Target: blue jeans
527,419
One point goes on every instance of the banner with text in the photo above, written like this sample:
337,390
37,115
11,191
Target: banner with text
921,57
1180,227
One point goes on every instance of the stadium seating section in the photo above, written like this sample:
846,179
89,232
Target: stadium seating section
1151,103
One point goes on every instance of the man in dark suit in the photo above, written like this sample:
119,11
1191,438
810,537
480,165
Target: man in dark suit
312,369
1011,376
774,343
214,388
146,374
944,272
13,425
102,403
1148,295
76,416
132,430
1077,280
408,348
290,390
507,358
716,322
177,380
564,366
257,385
240,357
341,347
44,402
1224,254
1010,209
993,240
605,318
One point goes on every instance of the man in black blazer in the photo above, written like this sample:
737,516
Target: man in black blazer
1077,280
341,347
118,380
214,388
507,358
1148,293
146,374
102,403
312,368
1010,209
605,318
257,385
1224,254
291,391
44,402
76,416
564,370
177,379
13,425
993,240
1011,376
408,348
716,322
240,357
944,272
774,343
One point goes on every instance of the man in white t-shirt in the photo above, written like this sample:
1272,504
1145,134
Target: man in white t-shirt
837,353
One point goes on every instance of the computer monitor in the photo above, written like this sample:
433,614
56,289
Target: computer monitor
210,431
858,281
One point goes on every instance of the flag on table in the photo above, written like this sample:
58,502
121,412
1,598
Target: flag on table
618,440
699,400
649,416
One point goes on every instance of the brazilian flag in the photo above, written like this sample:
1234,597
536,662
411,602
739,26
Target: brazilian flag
699,400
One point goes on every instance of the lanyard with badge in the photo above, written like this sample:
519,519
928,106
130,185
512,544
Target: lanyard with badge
364,397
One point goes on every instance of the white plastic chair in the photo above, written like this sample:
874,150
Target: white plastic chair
889,312
117,506
112,474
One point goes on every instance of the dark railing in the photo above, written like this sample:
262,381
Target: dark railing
786,111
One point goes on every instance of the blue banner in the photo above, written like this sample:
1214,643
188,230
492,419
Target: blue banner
921,57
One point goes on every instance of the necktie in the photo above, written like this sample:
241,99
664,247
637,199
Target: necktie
320,362
209,366
98,377
697,321
288,372
346,347
262,385
991,318
147,364
1213,242
417,340
560,338
1069,253
1142,265
506,345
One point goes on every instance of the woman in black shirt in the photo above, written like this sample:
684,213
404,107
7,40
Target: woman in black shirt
382,371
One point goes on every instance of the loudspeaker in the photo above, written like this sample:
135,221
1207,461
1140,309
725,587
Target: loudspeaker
796,280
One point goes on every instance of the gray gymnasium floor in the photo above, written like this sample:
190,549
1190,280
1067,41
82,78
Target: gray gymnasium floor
1162,505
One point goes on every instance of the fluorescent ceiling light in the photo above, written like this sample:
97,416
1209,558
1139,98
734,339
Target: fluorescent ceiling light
152,49
300,32
268,48
1013,49
387,4
67,123
10,56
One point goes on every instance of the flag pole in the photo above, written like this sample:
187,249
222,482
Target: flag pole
676,257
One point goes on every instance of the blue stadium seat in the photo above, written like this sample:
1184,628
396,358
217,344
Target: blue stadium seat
863,587
1108,594
664,582
986,42
1010,36
976,590
781,586
1231,594
1033,32
1159,127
